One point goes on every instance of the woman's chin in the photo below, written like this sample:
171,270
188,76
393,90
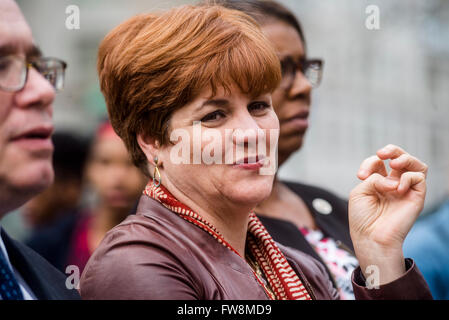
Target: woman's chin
250,193
290,144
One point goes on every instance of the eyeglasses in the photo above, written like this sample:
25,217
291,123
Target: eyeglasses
14,72
312,69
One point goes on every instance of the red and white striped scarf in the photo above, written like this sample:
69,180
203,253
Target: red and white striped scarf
283,280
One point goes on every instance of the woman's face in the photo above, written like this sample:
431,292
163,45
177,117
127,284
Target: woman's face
221,164
291,102
113,176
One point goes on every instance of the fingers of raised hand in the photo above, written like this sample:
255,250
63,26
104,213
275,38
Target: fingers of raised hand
379,183
371,165
390,151
415,180
401,160
407,162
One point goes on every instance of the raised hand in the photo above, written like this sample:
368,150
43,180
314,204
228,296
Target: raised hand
383,208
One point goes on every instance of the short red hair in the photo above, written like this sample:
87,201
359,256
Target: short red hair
153,64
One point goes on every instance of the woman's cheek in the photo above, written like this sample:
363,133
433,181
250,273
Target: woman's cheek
277,101
270,121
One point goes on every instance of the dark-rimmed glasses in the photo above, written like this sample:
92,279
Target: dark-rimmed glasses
14,72
312,69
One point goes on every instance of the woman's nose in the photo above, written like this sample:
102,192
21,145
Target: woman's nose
119,173
246,131
301,86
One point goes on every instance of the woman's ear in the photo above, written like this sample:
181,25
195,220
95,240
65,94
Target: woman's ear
150,147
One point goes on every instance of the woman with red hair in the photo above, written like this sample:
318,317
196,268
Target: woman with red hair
194,235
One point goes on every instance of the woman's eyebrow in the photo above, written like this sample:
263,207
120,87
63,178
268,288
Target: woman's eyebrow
214,102
301,57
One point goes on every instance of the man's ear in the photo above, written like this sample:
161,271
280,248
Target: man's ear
150,147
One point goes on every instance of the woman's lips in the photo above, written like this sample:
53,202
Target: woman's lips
299,122
250,163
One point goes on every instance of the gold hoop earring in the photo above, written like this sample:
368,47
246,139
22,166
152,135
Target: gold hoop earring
156,173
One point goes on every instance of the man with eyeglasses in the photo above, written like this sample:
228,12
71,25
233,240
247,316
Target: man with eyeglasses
27,89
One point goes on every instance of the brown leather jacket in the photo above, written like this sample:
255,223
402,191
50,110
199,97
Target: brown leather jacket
155,254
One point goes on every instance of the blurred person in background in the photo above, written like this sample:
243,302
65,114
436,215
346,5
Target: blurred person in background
53,213
27,90
115,184
428,244
305,217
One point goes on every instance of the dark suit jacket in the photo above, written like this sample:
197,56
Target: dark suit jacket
46,282
42,240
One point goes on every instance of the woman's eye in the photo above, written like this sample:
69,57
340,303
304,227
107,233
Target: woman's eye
214,116
258,106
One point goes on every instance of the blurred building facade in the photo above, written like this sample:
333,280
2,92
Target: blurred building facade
389,85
